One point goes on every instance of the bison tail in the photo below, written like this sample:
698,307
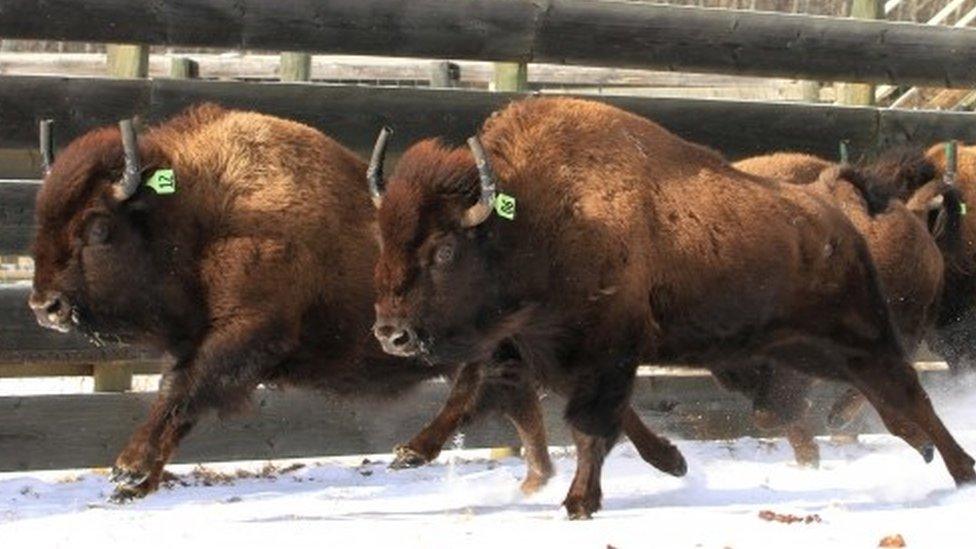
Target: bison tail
875,196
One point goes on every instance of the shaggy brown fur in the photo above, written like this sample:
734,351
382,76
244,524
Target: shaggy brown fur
905,254
954,336
631,244
257,270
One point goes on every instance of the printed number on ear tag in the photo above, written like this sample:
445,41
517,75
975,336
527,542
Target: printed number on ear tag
162,181
505,206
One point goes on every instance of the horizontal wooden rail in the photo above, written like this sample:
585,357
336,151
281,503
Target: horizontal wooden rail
68,431
248,66
607,33
351,114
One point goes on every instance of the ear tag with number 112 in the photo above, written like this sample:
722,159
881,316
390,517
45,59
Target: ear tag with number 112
162,181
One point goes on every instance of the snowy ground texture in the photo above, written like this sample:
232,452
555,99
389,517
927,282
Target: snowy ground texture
862,493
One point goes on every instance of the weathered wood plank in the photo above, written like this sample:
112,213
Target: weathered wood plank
352,113
250,66
62,431
620,34
16,217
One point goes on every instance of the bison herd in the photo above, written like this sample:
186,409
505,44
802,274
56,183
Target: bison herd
566,243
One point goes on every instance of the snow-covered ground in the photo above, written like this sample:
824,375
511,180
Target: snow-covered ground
862,493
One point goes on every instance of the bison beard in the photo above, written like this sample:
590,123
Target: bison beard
630,244
256,270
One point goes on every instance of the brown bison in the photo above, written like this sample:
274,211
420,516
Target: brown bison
243,245
954,336
594,239
906,256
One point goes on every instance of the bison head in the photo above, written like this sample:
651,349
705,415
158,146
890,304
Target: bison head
95,270
437,290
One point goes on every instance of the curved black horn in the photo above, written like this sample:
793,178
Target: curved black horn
132,176
476,214
47,145
374,175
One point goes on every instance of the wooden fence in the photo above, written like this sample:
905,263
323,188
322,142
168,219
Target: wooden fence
606,33
56,431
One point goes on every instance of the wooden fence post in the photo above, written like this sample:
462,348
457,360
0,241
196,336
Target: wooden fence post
296,66
112,377
127,60
860,94
510,77
184,67
124,61
444,74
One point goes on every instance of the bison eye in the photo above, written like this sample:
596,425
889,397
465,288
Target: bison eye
97,231
444,254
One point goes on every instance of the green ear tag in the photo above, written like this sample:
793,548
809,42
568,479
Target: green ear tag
505,206
162,181
962,208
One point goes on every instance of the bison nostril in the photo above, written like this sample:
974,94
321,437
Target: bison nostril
53,306
401,338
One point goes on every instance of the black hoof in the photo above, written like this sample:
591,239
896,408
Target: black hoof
124,494
580,509
406,458
127,478
680,467
928,452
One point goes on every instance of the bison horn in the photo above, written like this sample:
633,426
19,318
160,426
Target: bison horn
476,214
132,176
951,163
374,175
47,146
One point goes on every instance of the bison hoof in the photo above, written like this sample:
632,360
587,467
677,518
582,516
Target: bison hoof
407,458
581,508
124,493
129,484
128,477
677,466
928,452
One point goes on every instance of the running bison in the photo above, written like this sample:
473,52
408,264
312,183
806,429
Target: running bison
954,336
243,245
594,239
905,254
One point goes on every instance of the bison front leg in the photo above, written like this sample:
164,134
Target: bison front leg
139,468
426,445
594,412
224,371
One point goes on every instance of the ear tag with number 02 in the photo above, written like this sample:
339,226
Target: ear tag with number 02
505,206
162,181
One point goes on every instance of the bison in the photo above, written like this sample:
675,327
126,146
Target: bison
907,258
594,239
243,245
955,327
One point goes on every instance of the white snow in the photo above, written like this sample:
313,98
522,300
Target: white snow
862,493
